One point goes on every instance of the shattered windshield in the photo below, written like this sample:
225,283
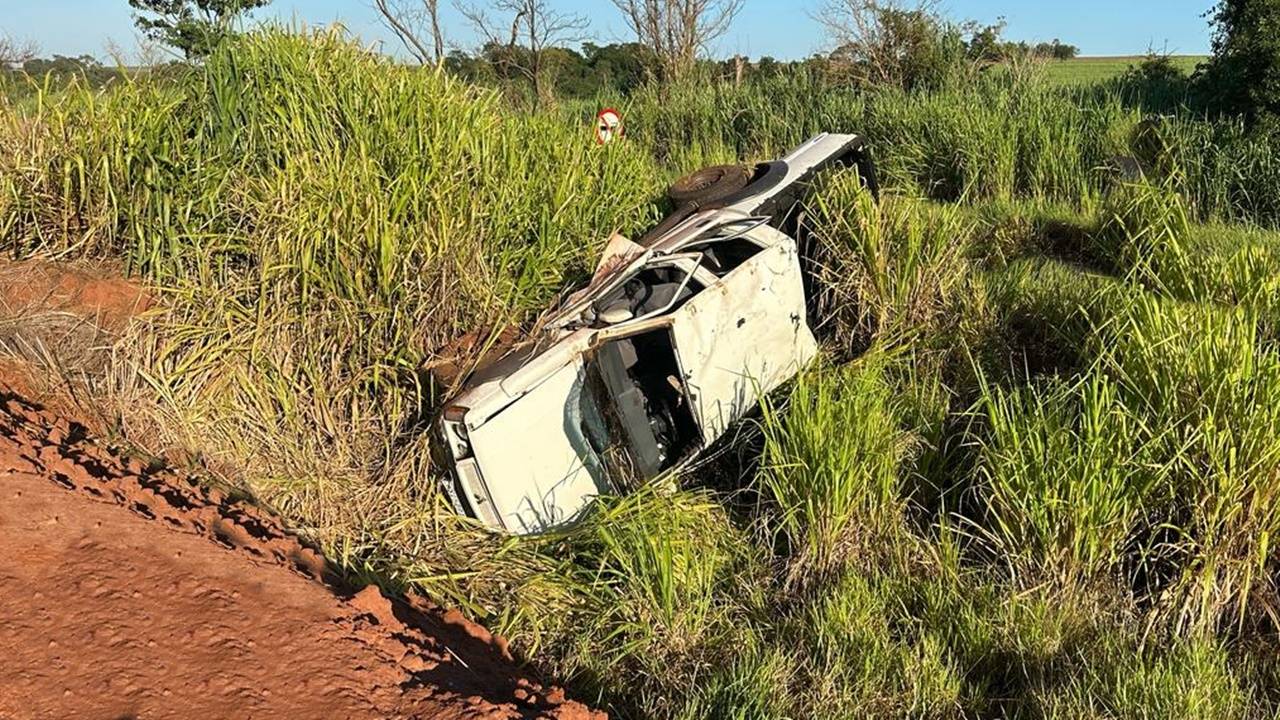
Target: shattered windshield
587,430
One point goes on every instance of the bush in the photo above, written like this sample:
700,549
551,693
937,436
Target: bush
1158,83
1244,74
884,44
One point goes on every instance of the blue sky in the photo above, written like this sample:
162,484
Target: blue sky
782,28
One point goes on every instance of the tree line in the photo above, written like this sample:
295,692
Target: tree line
539,52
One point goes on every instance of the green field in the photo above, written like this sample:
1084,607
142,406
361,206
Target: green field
1090,70
1035,474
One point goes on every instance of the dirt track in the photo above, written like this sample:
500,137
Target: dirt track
130,593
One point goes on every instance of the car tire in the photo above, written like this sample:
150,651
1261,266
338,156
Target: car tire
709,184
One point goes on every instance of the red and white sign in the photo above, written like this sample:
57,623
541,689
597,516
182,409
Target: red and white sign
609,126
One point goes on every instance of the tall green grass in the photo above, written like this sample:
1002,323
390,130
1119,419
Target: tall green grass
1067,475
672,593
1158,459
1200,372
1006,135
888,270
831,468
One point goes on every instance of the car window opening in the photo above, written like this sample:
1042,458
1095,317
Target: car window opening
724,256
650,412
650,290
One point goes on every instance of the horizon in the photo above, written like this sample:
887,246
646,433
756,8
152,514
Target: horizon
92,27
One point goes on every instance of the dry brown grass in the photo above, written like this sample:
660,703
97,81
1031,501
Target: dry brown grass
59,323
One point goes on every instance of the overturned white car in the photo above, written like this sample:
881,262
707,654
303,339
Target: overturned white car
676,338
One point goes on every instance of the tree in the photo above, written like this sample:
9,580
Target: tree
194,27
1058,50
678,31
14,53
987,43
413,21
886,42
62,70
622,67
1243,76
534,28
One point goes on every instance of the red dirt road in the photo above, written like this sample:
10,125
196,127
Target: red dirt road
126,593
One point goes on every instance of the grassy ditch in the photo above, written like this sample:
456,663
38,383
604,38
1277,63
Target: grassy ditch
1036,474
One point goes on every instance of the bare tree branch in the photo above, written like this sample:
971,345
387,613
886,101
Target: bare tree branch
14,53
517,35
413,22
678,31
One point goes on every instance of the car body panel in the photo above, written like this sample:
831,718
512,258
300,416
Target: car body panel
535,361
744,337
802,163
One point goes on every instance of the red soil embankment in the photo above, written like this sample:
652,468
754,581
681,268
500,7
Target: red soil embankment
128,592
92,295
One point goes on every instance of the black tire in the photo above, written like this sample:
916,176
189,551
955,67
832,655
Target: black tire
709,184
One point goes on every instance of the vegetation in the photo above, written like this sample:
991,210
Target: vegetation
59,71
193,27
1035,475
15,52
675,35
1244,75
987,43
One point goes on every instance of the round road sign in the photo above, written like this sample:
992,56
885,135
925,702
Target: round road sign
609,126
